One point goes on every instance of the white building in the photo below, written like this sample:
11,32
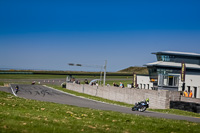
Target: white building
166,72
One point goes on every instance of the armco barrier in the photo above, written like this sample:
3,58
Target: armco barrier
158,99
190,100
187,106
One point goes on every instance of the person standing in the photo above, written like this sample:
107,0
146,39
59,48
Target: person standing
121,85
97,85
190,94
86,81
185,94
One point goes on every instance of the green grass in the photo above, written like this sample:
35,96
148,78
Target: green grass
30,76
48,76
1,83
168,111
23,115
176,111
138,70
109,79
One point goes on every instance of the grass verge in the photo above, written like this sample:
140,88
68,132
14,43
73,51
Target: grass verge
23,115
177,112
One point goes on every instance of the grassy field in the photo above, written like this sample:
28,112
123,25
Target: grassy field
30,76
47,76
109,79
23,115
1,83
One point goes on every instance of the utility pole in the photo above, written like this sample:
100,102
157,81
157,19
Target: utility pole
104,81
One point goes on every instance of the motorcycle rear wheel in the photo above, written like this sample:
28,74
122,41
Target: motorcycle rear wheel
133,109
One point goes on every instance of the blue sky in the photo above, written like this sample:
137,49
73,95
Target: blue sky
50,34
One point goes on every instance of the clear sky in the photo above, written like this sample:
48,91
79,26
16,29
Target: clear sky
39,34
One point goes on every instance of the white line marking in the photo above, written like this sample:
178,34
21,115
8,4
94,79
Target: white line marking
13,91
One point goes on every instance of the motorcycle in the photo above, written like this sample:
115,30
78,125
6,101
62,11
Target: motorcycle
141,106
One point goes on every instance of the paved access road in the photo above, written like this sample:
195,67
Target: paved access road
42,93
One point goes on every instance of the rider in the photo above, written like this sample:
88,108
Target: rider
16,89
146,101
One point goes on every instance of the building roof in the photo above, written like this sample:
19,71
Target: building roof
178,53
172,64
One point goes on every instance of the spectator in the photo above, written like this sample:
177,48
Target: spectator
190,94
77,82
33,82
121,85
86,81
116,85
97,85
185,94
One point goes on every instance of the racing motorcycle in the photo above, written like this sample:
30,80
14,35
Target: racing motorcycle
141,106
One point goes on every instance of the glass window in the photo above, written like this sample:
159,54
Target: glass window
176,80
165,82
171,81
195,92
178,59
168,80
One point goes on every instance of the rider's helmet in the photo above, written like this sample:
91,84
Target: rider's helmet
147,100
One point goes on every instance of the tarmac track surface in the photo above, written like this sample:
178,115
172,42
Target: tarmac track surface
42,93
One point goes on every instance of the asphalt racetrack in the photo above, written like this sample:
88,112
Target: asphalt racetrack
43,93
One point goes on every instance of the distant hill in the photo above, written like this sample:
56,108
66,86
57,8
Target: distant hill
137,70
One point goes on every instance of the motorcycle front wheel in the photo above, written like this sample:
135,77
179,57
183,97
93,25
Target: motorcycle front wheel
143,108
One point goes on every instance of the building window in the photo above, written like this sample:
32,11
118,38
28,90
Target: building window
164,58
195,92
188,88
178,59
176,80
165,80
168,80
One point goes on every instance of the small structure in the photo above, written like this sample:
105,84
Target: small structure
94,81
70,79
